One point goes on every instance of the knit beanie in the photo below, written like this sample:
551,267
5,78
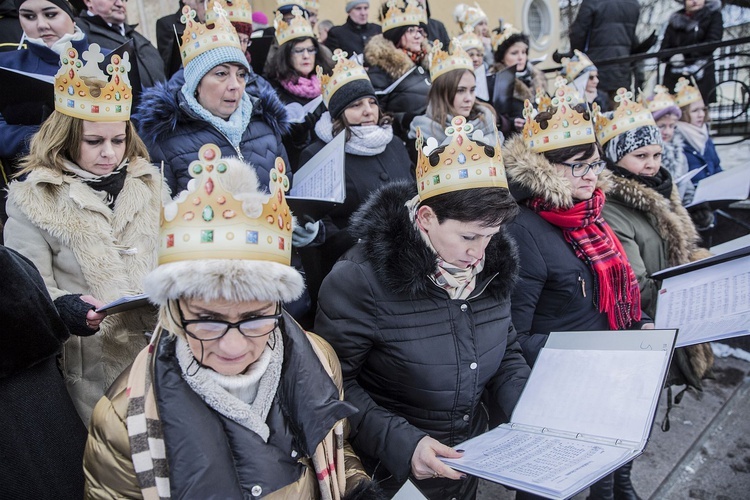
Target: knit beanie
352,91
354,3
512,39
665,111
203,63
630,140
63,4
394,35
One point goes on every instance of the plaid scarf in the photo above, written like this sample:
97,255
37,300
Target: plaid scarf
616,289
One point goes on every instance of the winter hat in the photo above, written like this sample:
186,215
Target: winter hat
349,93
354,3
63,4
505,38
629,141
260,18
198,67
348,82
394,35
662,103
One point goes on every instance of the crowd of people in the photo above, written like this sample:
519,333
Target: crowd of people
484,209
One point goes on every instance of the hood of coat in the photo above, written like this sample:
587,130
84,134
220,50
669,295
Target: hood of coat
381,52
531,175
681,21
399,256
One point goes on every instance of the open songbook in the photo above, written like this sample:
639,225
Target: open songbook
586,410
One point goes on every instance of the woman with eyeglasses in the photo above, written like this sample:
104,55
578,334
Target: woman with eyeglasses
232,398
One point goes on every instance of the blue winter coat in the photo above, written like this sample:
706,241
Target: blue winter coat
709,158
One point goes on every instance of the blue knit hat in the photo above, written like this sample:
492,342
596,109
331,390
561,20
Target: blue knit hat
197,68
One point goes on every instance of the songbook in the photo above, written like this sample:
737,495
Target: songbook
409,492
296,112
732,184
585,411
126,303
25,98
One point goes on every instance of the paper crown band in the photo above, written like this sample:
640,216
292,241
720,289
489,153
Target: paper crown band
297,27
345,71
442,62
628,115
198,38
412,14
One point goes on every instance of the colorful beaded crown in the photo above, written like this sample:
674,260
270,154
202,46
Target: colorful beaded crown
685,93
199,38
498,38
208,222
543,100
629,115
470,40
566,122
471,16
345,71
312,6
661,99
411,14
575,65
297,27
82,90
463,164
237,11
441,62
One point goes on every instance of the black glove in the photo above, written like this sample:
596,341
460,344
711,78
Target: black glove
73,312
702,215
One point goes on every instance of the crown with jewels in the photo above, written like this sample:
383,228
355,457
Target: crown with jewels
208,222
312,5
567,121
470,40
411,14
543,100
297,27
471,16
237,11
199,38
685,93
661,99
290,3
499,37
463,164
574,66
441,62
629,115
82,90
345,71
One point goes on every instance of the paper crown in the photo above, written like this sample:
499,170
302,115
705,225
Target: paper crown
470,40
198,38
685,93
290,3
345,71
543,100
237,11
208,222
411,14
471,16
82,90
629,115
498,38
297,27
312,6
441,62
574,66
661,99
566,122
463,164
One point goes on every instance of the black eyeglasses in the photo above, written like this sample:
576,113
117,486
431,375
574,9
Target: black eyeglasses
302,50
414,30
581,168
214,329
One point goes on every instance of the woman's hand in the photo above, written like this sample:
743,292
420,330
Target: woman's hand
426,465
648,326
93,318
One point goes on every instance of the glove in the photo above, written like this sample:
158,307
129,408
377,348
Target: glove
702,215
304,235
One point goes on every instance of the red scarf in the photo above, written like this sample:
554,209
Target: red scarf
594,243
416,57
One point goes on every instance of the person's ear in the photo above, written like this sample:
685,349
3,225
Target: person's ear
426,218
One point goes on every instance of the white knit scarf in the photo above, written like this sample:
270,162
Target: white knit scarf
367,140
697,137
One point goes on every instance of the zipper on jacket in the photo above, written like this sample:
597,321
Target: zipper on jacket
583,284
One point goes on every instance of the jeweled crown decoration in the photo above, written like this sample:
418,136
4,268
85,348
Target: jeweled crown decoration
575,65
566,122
463,164
83,91
199,38
345,71
208,222
441,62
237,11
289,3
411,14
542,100
312,6
471,16
685,93
470,40
507,31
297,27
661,99
628,115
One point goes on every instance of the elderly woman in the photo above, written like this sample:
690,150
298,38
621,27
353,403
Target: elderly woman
85,212
419,313
232,399
212,106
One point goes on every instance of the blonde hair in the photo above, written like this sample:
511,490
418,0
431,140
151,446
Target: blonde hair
686,113
59,139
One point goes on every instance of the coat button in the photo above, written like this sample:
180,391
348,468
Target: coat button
384,176
256,491
473,366
466,418
420,69
464,307
294,453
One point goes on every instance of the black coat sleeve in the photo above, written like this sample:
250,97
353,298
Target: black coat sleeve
581,27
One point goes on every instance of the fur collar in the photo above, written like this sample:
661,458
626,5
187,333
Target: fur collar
681,21
670,219
381,52
531,175
399,256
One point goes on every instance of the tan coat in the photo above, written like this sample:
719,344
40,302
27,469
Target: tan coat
81,246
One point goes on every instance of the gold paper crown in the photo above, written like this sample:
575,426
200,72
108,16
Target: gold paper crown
463,164
629,115
441,62
208,222
237,11
567,122
471,16
83,91
470,40
661,99
575,65
686,93
543,100
312,6
345,71
289,3
508,31
412,14
199,38
297,27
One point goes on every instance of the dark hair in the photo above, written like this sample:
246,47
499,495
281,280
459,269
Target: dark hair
341,122
563,155
280,67
503,47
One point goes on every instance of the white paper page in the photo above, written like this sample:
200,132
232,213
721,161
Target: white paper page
322,177
731,184
409,492
707,304
689,175
735,244
296,112
596,393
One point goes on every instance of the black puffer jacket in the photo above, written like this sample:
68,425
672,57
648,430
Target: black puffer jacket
414,361
351,37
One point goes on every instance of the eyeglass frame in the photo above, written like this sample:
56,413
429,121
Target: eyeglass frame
600,166
299,51
184,323
413,30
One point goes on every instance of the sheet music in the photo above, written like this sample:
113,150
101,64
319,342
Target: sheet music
322,177
731,184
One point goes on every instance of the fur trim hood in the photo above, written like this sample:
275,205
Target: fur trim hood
381,52
531,175
681,21
400,258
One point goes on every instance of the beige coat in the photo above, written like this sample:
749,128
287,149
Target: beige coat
81,246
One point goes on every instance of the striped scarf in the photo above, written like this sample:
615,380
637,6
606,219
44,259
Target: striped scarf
616,289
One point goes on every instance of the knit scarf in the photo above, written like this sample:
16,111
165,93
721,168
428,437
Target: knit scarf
367,140
415,57
661,182
307,88
616,289
697,137
234,127
108,186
